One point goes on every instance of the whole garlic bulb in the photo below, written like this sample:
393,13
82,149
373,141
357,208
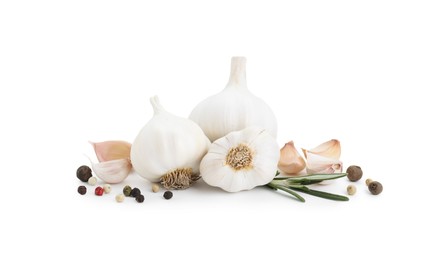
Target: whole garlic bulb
169,149
234,108
241,160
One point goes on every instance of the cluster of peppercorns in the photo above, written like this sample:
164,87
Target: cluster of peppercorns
354,173
84,173
128,191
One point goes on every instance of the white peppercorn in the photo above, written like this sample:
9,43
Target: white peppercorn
351,189
92,181
107,188
119,198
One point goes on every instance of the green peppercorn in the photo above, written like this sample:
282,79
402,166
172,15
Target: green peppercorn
351,189
127,190
135,192
375,187
84,173
140,198
168,195
82,190
354,173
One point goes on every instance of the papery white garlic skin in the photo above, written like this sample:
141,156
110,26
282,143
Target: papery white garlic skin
264,155
166,143
114,171
234,108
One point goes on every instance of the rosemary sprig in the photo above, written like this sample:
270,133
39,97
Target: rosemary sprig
292,184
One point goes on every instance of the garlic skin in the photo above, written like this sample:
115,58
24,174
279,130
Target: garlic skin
241,160
111,150
324,158
234,108
114,171
169,149
291,162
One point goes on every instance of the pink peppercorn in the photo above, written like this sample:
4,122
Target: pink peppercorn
99,191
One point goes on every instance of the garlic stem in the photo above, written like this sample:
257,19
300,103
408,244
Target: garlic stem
237,73
157,107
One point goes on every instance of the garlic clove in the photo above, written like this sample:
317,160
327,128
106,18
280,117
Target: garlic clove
319,164
330,149
112,150
114,171
291,162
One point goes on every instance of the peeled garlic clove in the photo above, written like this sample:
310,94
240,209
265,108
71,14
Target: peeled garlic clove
291,162
320,164
114,171
112,150
330,149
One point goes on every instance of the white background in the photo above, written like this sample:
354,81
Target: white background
369,73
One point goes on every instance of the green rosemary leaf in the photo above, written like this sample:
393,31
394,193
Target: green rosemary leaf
312,177
300,198
318,193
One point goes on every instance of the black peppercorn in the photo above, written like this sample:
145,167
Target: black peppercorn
135,192
375,187
168,195
354,173
140,198
82,190
84,173
127,190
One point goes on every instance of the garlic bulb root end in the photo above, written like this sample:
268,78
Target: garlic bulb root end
179,179
240,157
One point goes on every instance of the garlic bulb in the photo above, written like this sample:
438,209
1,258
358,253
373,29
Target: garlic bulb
234,108
169,149
241,160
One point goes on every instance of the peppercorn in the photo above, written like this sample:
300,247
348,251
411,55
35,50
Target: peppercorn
99,191
84,173
107,188
140,198
155,188
92,181
168,195
119,198
127,190
135,192
354,173
351,189
368,181
82,190
375,187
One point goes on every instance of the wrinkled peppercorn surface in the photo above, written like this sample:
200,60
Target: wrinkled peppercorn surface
354,173
82,190
168,195
84,173
375,187
140,198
